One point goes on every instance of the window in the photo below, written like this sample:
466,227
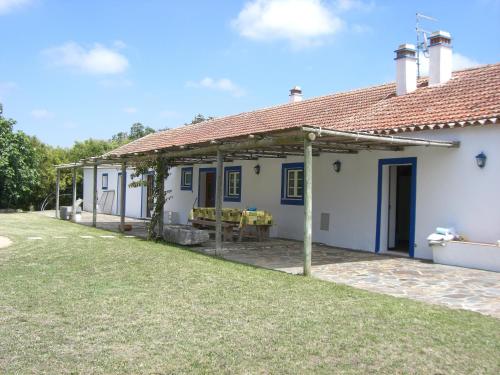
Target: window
104,182
232,184
292,183
187,178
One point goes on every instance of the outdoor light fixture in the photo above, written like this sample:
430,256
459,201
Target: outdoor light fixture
257,169
481,160
336,166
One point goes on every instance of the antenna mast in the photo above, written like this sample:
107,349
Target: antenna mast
422,47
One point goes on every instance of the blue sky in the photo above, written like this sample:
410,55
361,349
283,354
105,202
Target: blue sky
70,70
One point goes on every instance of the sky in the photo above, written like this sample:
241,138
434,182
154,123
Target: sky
72,70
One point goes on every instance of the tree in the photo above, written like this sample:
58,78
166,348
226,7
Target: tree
48,157
19,175
27,173
138,130
200,118
90,147
120,138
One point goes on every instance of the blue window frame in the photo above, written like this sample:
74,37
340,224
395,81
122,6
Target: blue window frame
292,183
104,181
232,184
187,178
412,161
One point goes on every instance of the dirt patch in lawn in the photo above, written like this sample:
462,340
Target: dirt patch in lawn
5,242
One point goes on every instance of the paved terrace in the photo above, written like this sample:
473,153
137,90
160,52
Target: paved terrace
454,287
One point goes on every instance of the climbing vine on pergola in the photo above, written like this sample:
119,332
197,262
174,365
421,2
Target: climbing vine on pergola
160,168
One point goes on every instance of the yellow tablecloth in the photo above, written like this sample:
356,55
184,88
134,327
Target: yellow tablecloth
234,215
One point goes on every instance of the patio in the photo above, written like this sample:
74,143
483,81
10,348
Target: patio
454,287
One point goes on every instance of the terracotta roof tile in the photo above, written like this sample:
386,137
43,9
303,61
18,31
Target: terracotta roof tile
471,94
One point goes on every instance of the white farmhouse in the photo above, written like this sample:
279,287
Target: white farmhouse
389,163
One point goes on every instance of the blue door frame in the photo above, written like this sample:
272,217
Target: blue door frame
200,172
413,198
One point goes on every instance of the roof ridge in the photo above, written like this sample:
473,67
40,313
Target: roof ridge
263,109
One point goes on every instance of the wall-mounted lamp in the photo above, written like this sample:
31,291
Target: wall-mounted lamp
481,160
336,166
256,169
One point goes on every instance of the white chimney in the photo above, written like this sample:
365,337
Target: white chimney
406,69
440,57
295,95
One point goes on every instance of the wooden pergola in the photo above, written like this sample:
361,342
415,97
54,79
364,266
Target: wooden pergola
305,141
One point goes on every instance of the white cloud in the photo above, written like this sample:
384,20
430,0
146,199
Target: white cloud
69,125
459,62
6,88
167,113
117,82
361,29
97,59
222,84
120,44
7,6
301,22
463,62
345,5
130,110
42,114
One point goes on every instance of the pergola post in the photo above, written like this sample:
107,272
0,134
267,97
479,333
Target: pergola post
94,199
218,202
123,189
308,202
161,216
58,179
73,207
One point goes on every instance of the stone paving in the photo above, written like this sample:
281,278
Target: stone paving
109,222
454,287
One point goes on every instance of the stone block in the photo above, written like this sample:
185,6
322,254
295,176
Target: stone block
184,235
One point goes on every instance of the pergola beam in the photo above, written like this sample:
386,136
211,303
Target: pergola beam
333,141
384,139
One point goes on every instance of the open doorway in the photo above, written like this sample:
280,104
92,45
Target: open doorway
399,208
206,187
396,205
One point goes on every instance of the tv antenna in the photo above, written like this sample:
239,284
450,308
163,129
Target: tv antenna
422,34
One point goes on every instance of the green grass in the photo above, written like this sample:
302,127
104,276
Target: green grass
128,306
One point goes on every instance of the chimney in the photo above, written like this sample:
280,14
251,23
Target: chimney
406,69
295,95
440,55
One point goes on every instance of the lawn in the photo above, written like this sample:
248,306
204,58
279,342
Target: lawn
124,305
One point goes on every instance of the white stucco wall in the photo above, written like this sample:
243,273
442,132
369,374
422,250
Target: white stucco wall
451,191
133,195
